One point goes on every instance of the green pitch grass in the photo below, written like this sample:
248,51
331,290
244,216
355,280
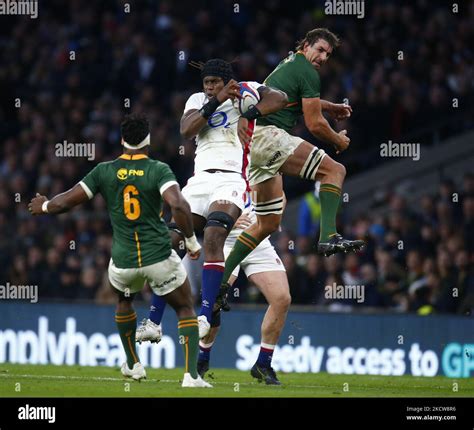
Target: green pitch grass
75,381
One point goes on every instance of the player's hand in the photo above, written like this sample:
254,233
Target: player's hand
343,142
243,221
339,111
193,247
36,203
244,132
194,255
230,91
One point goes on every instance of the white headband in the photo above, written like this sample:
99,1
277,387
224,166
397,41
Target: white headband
142,144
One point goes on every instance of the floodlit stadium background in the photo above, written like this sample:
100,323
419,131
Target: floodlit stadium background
407,71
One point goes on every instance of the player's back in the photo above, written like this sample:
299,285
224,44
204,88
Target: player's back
131,187
298,79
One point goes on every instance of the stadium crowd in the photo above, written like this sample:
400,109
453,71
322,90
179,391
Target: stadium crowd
75,71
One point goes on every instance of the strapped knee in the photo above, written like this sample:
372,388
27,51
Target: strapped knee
312,163
220,219
271,207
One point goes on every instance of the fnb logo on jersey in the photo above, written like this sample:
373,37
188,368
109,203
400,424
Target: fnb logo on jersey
123,174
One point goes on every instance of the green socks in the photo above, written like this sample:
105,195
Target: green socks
189,339
243,246
329,195
127,325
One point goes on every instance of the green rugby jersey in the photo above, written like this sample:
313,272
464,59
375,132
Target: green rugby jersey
297,77
131,186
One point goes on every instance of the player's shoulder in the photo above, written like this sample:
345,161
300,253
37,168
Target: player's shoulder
104,165
199,97
195,101
159,165
156,162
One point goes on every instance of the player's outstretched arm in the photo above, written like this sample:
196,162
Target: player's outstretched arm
319,127
181,213
58,204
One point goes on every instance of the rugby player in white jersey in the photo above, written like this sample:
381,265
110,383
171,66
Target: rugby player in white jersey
217,189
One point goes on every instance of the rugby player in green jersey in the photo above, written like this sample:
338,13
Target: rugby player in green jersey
134,187
275,151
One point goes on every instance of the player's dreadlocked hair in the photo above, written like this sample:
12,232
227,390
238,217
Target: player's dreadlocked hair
215,67
134,128
319,33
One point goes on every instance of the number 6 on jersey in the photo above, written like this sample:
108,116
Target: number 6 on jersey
131,205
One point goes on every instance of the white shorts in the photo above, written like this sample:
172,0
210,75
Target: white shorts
163,277
205,188
263,258
271,147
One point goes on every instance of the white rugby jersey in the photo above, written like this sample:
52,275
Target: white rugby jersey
218,146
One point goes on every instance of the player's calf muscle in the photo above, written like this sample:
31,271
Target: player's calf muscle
331,172
267,224
214,239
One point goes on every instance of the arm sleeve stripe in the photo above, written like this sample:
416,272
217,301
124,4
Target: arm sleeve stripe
168,184
86,190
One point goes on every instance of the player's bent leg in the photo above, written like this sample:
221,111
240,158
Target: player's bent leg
181,301
221,219
274,286
205,347
206,343
309,162
268,198
126,320
168,278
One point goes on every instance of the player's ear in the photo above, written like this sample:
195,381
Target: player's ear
121,141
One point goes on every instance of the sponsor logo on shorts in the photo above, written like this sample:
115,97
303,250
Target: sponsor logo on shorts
235,193
163,284
274,158
278,261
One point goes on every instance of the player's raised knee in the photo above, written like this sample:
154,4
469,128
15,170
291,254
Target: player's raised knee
218,226
340,170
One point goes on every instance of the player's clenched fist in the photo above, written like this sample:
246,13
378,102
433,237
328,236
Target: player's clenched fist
36,204
230,91
343,142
